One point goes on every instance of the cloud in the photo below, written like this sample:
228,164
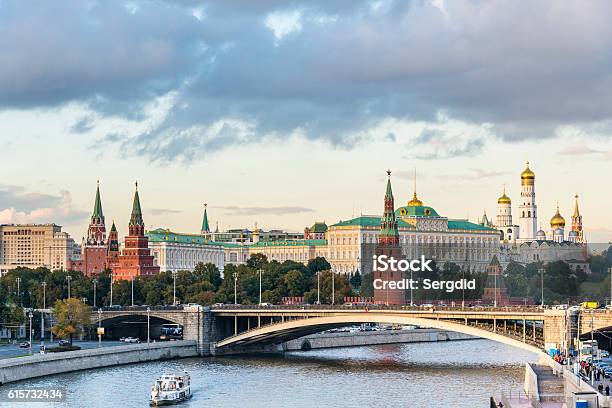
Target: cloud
234,210
21,206
246,72
578,151
163,211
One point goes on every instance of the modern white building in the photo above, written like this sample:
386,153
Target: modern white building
35,245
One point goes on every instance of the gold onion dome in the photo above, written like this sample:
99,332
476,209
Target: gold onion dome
527,176
415,202
504,199
557,221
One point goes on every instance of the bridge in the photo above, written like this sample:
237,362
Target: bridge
233,329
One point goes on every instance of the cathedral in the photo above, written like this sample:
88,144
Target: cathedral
524,243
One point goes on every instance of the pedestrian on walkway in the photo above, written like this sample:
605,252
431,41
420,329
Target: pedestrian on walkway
600,388
607,390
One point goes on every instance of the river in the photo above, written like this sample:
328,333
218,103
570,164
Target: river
460,374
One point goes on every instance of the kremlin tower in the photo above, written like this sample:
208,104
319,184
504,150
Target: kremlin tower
94,247
112,248
135,259
528,219
205,227
388,244
577,224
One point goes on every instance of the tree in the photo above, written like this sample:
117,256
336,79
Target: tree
72,317
318,264
356,280
257,261
208,272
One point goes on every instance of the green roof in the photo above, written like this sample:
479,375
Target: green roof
136,217
416,211
466,225
318,227
368,221
371,221
296,242
97,211
162,235
205,226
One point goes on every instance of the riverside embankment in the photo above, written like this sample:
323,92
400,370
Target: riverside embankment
370,338
38,365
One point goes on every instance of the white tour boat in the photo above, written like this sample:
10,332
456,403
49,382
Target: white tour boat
170,389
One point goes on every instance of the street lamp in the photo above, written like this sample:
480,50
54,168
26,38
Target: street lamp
18,281
95,282
148,325
111,289
174,288
610,270
333,290
42,315
542,275
132,291
235,275
68,278
318,287
260,274
99,325
30,316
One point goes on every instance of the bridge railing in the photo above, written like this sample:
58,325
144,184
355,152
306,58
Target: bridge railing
374,307
139,308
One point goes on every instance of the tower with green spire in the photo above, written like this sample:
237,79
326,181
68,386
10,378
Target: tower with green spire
389,234
135,258
205,226
136,225
388,245
96,233
94,247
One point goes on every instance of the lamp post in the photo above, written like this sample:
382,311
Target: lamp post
610,270
148,325
99,325
68,279
30,316
318,287
42,315
235,275
495,290
260,275
111,289
132,291
333,289
95,282
173,288
462,290
18,281
542,275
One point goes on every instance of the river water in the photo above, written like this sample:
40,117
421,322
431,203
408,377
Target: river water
459,374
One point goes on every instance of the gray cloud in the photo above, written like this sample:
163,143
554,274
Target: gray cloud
348,66
162,211
234,210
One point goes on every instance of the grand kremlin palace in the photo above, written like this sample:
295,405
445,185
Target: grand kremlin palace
347,243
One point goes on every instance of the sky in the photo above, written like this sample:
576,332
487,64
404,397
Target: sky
289,112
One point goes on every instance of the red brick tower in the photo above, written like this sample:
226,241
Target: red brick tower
135,259
94,248
388,244
112,248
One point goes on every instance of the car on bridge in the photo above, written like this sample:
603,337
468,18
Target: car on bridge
132,340
25,344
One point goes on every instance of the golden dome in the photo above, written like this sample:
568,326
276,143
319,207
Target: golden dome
504,199
527,176
415,202
557,221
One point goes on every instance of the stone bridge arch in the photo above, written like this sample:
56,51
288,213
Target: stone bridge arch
277,333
